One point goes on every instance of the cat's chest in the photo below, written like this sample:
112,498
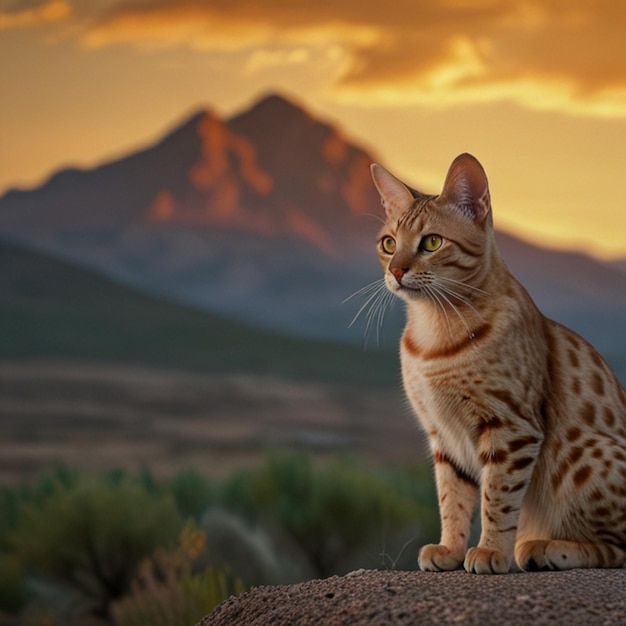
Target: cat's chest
446,397
441,388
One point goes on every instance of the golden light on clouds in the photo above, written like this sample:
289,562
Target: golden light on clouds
177,24
220,26
52,11
552,55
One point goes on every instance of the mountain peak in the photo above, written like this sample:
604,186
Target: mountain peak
315,169
274,106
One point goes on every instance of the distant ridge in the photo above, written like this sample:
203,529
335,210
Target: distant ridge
619,264
53,309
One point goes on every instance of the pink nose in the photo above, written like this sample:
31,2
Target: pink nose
398,273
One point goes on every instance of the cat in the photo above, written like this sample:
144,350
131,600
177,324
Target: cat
522,414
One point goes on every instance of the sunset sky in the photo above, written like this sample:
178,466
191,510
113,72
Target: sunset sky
535,90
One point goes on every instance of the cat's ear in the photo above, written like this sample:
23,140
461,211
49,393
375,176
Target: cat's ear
394,194
466,187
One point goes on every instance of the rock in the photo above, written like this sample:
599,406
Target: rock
394,598
255,552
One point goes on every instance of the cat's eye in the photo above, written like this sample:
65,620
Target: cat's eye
430,243
388,244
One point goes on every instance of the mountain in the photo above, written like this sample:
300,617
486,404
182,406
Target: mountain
50,308
257,217
268,217
618,264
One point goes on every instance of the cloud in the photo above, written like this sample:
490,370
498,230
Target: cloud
33,14
222,25
554,54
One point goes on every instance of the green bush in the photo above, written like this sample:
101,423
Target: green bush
192,492
335,511
94,535
13,498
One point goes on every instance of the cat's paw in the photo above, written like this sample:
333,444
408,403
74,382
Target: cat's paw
438,558
561,555
486,561
531,556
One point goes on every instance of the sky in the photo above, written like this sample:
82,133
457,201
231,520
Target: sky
535,90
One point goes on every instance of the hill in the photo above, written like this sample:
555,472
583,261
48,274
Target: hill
51,308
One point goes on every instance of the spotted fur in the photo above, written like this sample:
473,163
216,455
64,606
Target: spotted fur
524,417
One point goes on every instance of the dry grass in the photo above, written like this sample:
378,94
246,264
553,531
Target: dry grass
97,416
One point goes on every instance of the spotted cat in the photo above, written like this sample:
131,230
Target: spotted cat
522,414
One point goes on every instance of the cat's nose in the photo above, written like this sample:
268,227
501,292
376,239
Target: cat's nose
398,273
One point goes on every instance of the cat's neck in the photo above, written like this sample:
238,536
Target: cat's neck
438,325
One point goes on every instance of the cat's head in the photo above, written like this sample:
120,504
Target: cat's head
429,245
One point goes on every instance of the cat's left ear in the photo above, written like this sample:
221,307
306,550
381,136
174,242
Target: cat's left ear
394,194
466,186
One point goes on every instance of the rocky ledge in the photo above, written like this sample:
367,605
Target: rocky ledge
390,598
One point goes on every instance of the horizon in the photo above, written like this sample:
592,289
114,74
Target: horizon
542,109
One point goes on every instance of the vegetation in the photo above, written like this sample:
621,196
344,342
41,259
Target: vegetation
336,511
124,550
166,592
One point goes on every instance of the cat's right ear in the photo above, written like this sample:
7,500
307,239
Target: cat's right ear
394,194
467,188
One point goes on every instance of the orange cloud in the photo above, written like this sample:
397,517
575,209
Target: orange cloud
51,11
556,54
219,25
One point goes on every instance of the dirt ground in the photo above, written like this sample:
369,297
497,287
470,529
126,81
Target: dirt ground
98,416
369,598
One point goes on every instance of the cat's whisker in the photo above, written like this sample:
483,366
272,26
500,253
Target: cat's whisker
455,309
432,294
462,284
387,303
436,280
461,298
378,300
376,312
374,286
377,217
372,293
369,315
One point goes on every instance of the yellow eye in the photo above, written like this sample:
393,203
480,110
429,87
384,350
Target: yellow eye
388,244
430,243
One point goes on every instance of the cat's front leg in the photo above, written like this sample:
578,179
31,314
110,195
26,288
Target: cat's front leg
457,494
507,470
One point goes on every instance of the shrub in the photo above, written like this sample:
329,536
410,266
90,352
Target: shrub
334,511
192,492
12,587
12,499
94,535
167,593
